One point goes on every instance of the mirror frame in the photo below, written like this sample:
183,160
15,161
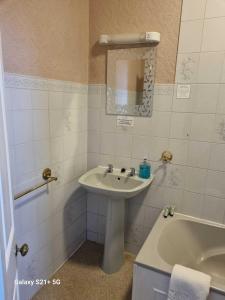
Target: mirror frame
148,54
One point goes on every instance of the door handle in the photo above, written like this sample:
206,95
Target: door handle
23,250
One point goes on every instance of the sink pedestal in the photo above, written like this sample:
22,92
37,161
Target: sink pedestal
114,236
117,187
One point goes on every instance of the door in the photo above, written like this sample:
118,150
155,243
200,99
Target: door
8,268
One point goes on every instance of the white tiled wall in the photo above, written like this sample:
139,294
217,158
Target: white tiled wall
193,129
47,122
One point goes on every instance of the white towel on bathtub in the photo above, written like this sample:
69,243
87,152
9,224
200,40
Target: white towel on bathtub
188,284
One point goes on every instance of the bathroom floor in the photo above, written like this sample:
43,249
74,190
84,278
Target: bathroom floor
82,278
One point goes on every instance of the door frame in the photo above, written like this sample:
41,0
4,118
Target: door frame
2,264
7,243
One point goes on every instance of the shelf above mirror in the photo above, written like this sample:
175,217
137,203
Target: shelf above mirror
130,38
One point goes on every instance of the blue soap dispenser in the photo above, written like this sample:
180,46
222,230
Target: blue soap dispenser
145,169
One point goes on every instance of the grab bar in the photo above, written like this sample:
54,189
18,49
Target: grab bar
46,175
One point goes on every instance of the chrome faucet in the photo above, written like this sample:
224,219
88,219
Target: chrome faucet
109,169
131,173
168,211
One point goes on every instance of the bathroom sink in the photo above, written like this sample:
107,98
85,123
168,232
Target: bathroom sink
116,184
117,187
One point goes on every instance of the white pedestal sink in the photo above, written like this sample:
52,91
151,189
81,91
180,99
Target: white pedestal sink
118,187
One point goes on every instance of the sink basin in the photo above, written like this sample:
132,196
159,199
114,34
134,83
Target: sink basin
116,184
117,187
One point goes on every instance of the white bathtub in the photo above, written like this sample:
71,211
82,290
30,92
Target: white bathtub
191,242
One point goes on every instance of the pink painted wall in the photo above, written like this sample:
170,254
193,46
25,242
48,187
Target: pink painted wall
53,38
46,38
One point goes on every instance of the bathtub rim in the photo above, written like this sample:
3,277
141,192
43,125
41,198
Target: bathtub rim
151,259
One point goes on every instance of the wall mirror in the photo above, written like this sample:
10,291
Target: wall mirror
130,81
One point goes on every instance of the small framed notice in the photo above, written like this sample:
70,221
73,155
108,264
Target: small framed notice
125,121
183,91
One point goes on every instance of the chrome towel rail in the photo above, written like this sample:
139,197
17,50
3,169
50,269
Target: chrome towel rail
46,175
